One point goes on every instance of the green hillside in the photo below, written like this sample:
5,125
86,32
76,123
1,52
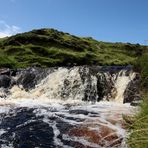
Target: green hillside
49,47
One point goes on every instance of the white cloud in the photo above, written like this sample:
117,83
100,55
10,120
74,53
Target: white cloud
7,30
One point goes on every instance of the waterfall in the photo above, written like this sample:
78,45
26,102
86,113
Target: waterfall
121,84
65,107
75,83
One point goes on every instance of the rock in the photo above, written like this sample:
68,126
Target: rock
132,92
5,81
84,112
103,137
136,102
30,77
5,71
27,80
98,82
104,87
13,72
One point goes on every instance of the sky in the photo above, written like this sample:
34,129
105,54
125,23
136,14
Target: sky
104,20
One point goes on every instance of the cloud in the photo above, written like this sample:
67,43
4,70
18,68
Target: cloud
7,30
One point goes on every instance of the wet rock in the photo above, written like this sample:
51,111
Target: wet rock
104,87
84,112
88,74
132,92
104,137
136,102
5,81
13,72
30,77
25,131
5,71
98,83
27,80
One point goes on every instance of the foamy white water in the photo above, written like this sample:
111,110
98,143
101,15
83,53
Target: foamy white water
121,84
88,117
56,108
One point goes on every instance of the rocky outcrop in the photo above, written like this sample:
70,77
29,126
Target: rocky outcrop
30,77
98,83
132,92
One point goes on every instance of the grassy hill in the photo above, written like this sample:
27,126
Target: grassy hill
49,47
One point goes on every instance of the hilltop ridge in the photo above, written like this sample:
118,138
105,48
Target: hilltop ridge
50,47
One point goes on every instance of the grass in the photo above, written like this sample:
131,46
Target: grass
49,47
139,127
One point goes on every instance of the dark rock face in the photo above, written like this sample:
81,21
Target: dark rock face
132,92
29,135
86,74
4,71
103,88
5,81
105,85
27,78
30,77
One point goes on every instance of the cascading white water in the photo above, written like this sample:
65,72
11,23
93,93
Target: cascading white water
56,103
121,83
67,84
62,84
54,86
